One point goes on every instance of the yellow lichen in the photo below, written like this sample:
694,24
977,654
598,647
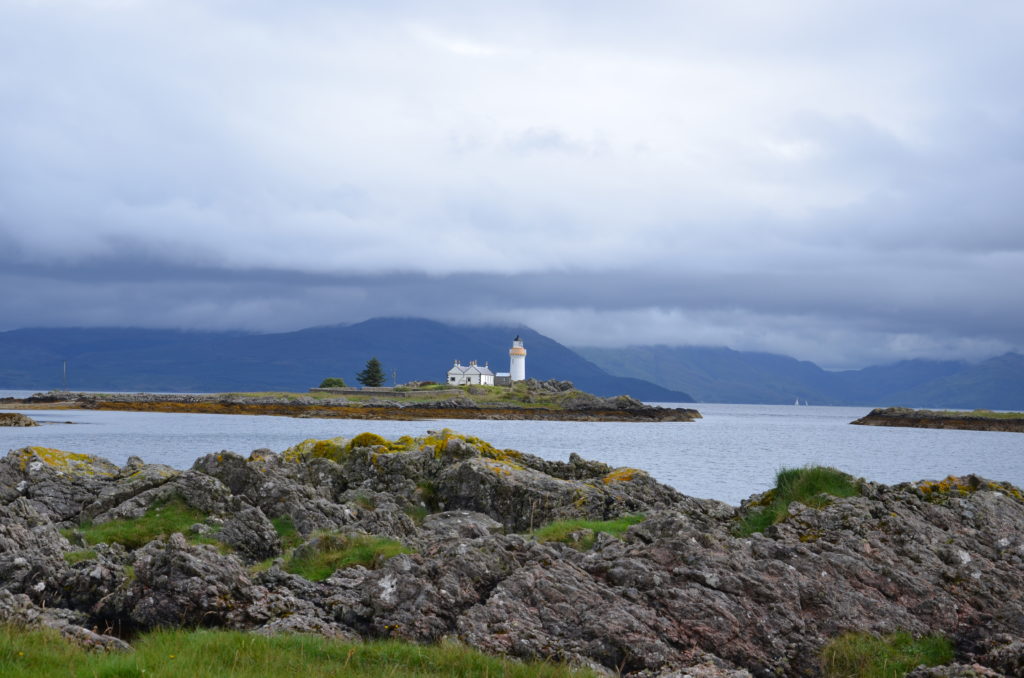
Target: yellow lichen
620,475
334,449
68,462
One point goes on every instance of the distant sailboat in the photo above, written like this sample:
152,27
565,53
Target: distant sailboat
797,402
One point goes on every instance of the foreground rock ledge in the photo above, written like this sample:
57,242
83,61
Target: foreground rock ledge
968,421
678,593
584,407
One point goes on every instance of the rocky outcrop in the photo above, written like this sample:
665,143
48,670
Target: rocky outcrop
16,419
678,594
968,421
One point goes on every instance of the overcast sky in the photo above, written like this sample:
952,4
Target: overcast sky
839,181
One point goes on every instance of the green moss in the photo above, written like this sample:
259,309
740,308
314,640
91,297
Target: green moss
219,654
161,520
814,486
861,655
332,552
580,534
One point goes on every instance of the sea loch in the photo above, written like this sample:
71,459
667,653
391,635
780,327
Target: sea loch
731,453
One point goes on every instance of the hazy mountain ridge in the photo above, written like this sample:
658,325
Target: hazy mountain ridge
126,359
714,374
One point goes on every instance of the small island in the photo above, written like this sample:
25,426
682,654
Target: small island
975,420
552,400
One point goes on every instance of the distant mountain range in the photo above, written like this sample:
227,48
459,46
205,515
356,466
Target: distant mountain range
124,359
728,376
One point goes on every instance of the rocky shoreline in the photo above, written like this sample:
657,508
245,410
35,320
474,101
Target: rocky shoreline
678,594
967,421
581,407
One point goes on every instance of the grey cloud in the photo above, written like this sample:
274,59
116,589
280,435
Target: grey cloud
803,177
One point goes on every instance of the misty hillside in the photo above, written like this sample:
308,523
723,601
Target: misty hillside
724,375
120,359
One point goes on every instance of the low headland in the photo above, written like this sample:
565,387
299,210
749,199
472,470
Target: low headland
975,420
443,555
530,399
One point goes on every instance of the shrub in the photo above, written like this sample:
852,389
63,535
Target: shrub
862,655
806,485
580,533
332,382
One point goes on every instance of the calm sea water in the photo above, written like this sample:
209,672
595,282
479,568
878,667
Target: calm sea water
731,453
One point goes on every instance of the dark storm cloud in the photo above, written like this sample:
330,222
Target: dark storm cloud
795,177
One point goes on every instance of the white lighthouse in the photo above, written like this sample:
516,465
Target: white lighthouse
517,355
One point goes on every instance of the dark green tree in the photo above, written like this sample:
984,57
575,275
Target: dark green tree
372,374
332,382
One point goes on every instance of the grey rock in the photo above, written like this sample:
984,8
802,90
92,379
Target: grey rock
460,525
176,584
249,532
58,484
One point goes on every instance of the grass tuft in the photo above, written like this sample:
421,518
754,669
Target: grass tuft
814,486
862,655
580,533
232,654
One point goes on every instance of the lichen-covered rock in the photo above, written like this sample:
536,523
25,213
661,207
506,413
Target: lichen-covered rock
31,550
57,483
249,532
176,584
103,570
460,525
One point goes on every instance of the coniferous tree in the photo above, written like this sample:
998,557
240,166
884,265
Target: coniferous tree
372,374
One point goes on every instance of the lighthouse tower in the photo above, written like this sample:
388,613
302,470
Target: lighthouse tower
517,354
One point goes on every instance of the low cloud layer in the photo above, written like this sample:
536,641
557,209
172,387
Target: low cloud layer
840,182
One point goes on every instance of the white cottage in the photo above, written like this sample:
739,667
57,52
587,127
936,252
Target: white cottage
460,375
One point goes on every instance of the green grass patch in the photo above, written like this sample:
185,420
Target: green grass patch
318,560
285,528
160,520
580,533
232,654
815,486
862,655
73,557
